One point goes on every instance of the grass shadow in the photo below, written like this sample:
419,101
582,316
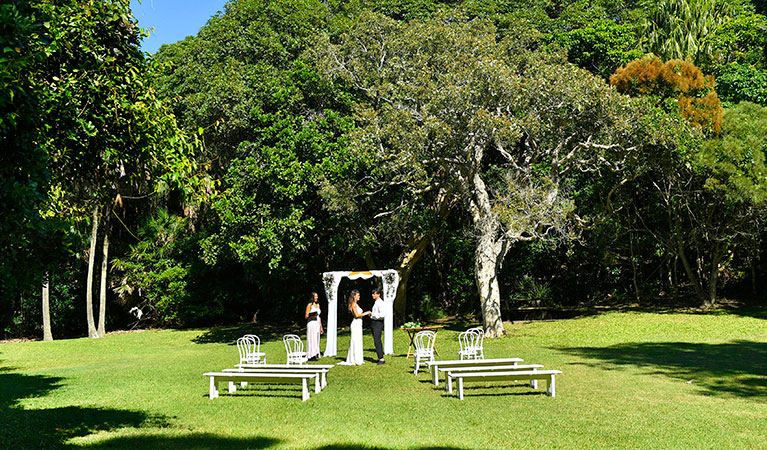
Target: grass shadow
229,334
191,441
52,427
737,368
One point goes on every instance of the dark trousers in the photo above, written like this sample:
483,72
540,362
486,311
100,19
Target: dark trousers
377,327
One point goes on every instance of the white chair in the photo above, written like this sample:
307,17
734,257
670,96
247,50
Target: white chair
294,347
471,342
249,347
424,348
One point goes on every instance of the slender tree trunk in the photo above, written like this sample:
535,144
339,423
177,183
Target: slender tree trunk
487,257
47,335
633,265
690,274
752,263
103,290
92,332
714,278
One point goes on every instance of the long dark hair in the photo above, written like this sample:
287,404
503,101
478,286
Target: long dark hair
352,295
311,297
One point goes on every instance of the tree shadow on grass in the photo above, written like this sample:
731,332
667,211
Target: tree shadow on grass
190,441
229,334
50,428
737,368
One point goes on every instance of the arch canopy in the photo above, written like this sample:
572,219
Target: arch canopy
331,280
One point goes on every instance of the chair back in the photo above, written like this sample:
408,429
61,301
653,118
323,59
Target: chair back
471,342
294,347
476,342
478,338
424,342
464,338
243,347
249,348
256,342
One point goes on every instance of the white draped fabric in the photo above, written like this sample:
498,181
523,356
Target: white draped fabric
331,281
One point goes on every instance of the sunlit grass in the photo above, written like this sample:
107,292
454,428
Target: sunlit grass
631,380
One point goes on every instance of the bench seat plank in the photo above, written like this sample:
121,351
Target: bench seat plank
508,376
435,365
289,369
265,377
499,368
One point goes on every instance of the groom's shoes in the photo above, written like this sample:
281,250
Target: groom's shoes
381,361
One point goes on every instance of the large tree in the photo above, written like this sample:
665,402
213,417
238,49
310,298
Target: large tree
451,109
99,127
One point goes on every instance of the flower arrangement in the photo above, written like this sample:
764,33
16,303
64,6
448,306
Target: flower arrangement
410,325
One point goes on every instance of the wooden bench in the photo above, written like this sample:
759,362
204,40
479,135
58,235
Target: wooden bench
499,368
435,365
322,370
263,377
508,376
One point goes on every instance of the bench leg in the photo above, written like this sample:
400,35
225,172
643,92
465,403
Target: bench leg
304,390
552,386
449,383
534,383
213,391
317,384
324,380
232,387
243,383
434,374
460,388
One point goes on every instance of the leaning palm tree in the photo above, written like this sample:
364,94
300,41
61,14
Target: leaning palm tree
676,29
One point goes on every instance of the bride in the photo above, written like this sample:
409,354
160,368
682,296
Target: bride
354,357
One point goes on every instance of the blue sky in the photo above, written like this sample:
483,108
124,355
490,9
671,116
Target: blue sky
173,20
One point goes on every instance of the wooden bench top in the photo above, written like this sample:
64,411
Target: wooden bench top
286,375
268,377
285,366
518,367
277,369
506,375
513,375
473,362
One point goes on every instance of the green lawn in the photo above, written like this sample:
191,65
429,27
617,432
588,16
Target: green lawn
631,380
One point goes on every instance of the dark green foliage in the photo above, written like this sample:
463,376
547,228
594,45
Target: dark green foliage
602,46
737,83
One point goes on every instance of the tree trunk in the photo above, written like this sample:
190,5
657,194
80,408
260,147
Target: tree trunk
487,257
690,274
103,291
752,263
407,262
47,335
714,278
92,332
486,267
415,249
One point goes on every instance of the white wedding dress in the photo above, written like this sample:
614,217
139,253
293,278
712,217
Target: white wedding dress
354,356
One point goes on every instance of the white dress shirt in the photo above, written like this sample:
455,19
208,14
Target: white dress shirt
377,313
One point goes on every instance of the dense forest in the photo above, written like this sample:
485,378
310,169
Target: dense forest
497,154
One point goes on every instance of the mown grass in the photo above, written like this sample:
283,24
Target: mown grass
631,380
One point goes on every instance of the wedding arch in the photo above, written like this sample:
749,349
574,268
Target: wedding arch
331,280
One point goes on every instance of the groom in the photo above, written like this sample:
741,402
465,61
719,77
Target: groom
377,323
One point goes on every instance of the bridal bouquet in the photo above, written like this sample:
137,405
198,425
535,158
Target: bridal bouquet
410,325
